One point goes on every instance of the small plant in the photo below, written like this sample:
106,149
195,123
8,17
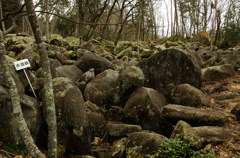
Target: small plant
177,148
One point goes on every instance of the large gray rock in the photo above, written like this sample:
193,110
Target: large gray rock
56,39
122,130
217,73
14,73
185,94
209,58
139,144
203,135
130,79
9,131
115,114
33,58
101,90
144,108
72,118
98,124
69,71
88,61
195,116
170,67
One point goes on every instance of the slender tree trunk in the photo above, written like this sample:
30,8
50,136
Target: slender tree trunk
176,17
47,21
49,96
1,16
16,106
108,16
80,19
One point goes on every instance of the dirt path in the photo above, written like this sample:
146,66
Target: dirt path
225,95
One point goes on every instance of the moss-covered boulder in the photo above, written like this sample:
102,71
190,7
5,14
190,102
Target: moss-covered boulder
122,130
139,144
186,94
130,79
14,73
32,57
203,135
56,39
170,67
194,116
217,73
90,60
9,132
145,53
69,71
101,90
72,119
98,124
122,45
144,108
72,43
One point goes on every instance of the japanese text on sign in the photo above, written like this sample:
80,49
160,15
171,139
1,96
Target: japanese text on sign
21,64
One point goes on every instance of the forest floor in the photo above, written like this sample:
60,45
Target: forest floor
225,95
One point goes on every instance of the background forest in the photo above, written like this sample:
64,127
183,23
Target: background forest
137,20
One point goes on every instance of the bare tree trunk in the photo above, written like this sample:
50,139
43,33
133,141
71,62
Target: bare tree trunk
47,21
80,19
49,96
17,111
1,16
168,23
108,16
176,17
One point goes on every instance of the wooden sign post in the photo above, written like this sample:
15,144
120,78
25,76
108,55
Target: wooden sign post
22,65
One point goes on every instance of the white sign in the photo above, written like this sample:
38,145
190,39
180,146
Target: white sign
21,64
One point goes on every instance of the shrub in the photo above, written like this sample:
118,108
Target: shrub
177,148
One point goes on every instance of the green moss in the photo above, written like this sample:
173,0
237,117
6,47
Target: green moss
176,148
61,150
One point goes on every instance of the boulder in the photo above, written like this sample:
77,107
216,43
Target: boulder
122,130
98,124
101,90
144,108
185,94
172,44
122,45
160,47
217,73
230,58
32,57
14,73
88,61
195,116
209,58
56,39
129,80
72,119
9,132
69,71
115,114
139,144
170,67
203,135
54,63
72,43
145,53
